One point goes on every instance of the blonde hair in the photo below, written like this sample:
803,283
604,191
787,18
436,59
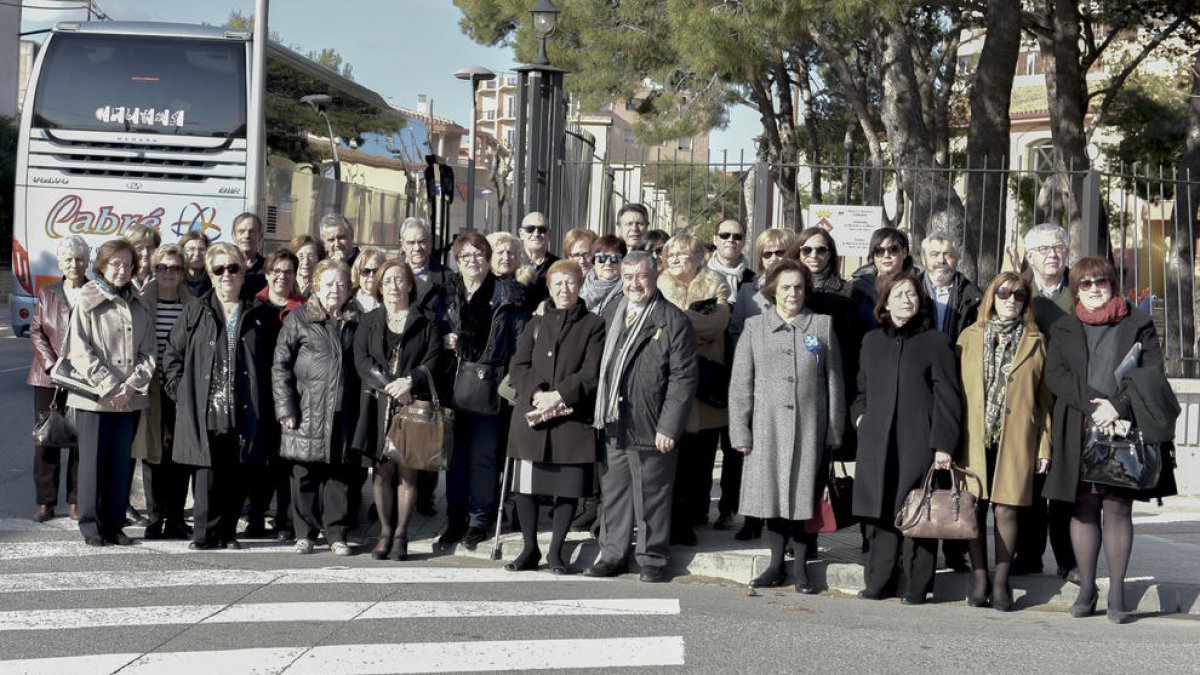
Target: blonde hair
226,249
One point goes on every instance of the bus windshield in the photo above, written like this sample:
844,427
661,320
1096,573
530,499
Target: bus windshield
133,83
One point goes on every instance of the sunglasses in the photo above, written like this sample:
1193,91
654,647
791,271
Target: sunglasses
168,268
603,258
767,255
731,235
809,251
220,270
1086,284
890,249
540,229
368,271
1004,293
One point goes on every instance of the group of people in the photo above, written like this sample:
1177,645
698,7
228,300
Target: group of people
634,359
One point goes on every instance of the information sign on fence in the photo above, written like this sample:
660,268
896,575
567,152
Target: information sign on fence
850,226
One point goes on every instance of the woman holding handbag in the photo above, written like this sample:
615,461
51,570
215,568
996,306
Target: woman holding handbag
907,413
396,351
47,331
1006,434
487,319
1086,348
785,415
556,370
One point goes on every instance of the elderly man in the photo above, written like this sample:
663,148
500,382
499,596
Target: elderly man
632,221
248,237
535,232
1046,247
647,385
953,299
338,236
727,260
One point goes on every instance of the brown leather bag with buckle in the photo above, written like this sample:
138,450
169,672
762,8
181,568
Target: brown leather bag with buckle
937,513
421,434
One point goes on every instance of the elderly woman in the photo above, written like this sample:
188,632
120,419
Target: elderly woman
316,389
145,240
164,481
110,343
1086,348
364,278
704,296
195,249
308,251
785,415
889,253
602,285
1002,357
556,369
908,413
47,331
396,352
486,317
577,246
216,369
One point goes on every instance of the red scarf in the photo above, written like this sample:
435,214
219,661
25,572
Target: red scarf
1110,312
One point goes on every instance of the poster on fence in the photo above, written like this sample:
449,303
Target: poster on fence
850,226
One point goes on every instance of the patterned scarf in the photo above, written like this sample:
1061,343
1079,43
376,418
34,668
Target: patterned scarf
597,293
1000,340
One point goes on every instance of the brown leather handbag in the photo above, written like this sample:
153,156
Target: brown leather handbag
421,435
936,513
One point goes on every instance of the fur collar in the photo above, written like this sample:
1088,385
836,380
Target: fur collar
315,312
706,285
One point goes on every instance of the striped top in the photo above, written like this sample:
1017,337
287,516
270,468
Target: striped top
168,311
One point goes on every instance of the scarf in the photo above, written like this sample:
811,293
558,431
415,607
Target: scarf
733,275
1109,313
596,294
1000,340
125,292
827,281
608,392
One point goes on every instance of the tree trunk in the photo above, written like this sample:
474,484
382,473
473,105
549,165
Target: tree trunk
1180,307
987,139
804,82
934,203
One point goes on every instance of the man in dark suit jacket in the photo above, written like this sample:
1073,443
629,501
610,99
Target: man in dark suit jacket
647,385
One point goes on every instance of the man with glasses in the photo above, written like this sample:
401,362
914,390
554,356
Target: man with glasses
632,221
535,233
728,261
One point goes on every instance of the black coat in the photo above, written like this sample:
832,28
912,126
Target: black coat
1066,376
313,377
489,325
849,330
910,401
966,307
434,292
420,345
564,357
187,369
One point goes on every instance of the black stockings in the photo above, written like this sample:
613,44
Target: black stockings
1005,542
395,496
1116,534
779,532
561,513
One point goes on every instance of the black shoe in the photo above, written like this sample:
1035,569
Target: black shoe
1118,616
916,599
399,550
603,568
135,519
119,538
449,538
201,546
1002,598
380,552
1082,606
474,537
94,541
806,588
155,530
769,579
870,594
654,575
256,529
978,601
231,545
586,517
176,529
525,562
683,536
751,529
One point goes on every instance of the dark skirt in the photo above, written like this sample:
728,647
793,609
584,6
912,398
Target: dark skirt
554,480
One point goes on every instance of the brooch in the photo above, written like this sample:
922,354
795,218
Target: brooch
812,344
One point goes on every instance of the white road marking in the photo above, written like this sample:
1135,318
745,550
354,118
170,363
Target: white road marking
100,580
425,657
67,619
75,548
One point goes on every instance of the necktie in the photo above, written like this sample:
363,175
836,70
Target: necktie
630,317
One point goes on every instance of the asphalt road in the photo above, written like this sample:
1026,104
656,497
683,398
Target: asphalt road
16,421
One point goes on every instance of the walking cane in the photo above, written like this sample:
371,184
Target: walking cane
500,508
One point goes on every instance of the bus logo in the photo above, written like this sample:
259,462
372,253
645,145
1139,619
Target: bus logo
69,215
197,218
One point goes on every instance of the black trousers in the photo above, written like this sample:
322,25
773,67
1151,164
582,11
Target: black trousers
1034,522
105,443
693,478
891,553
263,483
166,483
323,499
47,461
217,492
731,476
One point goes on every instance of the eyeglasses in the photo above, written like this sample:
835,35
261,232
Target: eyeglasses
736,236
282,273
809,251
1086,284
472,256
581,256
890,249
368,271
1047,250
119,266
767,255
602,258
232,268
1004,293
539,229
160,269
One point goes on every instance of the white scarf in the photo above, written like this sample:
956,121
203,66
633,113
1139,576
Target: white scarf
733,275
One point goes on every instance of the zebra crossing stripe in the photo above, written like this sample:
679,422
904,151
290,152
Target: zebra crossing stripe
106,580
423,657
67,619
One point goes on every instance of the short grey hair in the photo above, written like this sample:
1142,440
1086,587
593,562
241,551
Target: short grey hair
938,235
73,246
496,238
636,258
413,221
1047,228
332,220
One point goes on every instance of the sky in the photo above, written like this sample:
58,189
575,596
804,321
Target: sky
399,48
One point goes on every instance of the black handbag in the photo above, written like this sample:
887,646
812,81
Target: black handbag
64,376
477,384
55,428
712,387
835,509
1121,461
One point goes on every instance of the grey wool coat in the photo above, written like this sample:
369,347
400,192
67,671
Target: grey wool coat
786,402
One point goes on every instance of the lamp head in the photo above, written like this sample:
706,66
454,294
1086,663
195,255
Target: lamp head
545,18
318,101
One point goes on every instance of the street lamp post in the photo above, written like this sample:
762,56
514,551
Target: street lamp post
475,74
545,20
541,125
319,103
